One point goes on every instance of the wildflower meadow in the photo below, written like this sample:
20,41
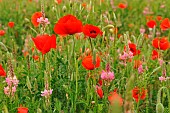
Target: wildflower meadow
84,56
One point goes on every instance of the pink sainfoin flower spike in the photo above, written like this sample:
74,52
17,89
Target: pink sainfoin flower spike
130,55
107,75
162,6
112,38
158,33
14,90
43,20
126,55
160,62
162,78
15,81
142,30
107,67
147,11
8,81
7,90
46,93
140,69
12,83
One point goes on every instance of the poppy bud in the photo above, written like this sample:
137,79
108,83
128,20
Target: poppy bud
99,91
11,24
64,9
159,108
26,20
111,30
2,32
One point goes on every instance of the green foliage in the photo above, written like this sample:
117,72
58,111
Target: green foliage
74,88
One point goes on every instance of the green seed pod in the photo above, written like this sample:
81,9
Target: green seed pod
114,16
39,110
28,83
26,20
159,108
3,46
5,109
111,30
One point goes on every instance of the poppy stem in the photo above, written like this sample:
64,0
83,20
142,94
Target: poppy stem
43,15
91,45
137,106
73,48
76,75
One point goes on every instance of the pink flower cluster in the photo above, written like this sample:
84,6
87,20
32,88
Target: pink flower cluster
107,75
46,93
140,69
43,20
12,83
147,11
126,55
142,30
160,62
162,78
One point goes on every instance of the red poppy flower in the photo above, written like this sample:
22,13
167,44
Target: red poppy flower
84,5
165,24
149,17
35,57
34,18
155,43
122,6
159,18
155,55
133,49
99,91
139,94
151,24
100,82
11,24
2,71
2,32
68,25
162,43
137,63
119,35
58,1
45,42
87,63
115,98
25,53
91,31
22,110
